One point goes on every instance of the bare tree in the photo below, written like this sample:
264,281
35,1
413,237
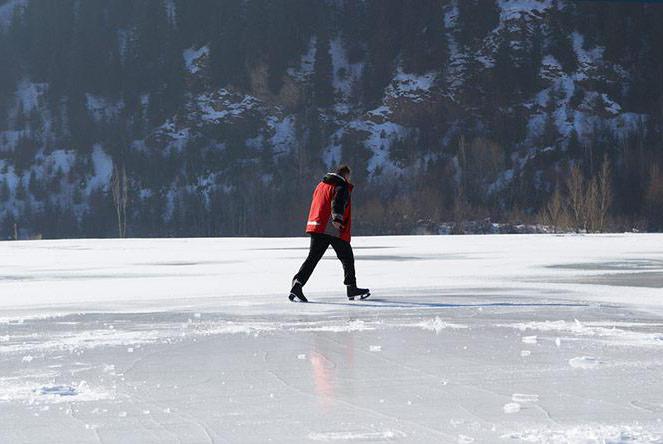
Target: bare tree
654,197
576,188
554,214
603,194
461,210
120,198
591,204
590,201
598,198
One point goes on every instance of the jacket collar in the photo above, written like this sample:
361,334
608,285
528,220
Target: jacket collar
338,176
337,179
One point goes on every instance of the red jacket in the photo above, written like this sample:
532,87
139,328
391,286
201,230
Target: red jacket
331,202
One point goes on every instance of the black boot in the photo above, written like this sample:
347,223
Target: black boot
353,292
296,293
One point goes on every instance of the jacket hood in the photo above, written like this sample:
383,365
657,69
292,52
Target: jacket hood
334,179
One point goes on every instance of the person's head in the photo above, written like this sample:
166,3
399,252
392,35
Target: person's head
344,170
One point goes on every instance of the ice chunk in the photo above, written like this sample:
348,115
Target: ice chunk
529,339
59,390
522,397
585,362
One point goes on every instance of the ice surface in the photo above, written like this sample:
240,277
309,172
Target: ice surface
479,339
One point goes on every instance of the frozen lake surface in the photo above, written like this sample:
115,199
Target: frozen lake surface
485,339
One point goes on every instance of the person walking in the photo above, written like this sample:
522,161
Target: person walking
330,223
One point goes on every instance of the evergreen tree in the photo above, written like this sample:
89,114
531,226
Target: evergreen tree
559,38
530,66
24,154
550,131
228,61
424,39
92,44
167,95
354,29
8,74
504,72
383,46
476,18
80,124
145,52
197,21
323,88
5,192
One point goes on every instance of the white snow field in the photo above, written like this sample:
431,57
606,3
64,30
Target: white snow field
485,339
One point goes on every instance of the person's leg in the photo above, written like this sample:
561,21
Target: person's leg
344,252
319,244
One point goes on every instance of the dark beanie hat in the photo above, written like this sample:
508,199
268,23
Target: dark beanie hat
342,170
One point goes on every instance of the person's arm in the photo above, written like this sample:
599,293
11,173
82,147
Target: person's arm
339,202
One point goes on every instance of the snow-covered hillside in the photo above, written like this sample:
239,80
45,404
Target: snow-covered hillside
482,105
485,339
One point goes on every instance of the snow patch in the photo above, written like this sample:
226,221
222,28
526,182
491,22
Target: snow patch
411,86
171,10
191,58
73,341
586,58
284,137
379,140
103,169
101,108
233,328
357,325
61,159
7,12
356,436
589,433
595,329
516,9
28,94
345,73
18,320
221,104
306,63
437,325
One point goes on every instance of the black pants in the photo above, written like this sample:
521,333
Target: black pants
319,244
